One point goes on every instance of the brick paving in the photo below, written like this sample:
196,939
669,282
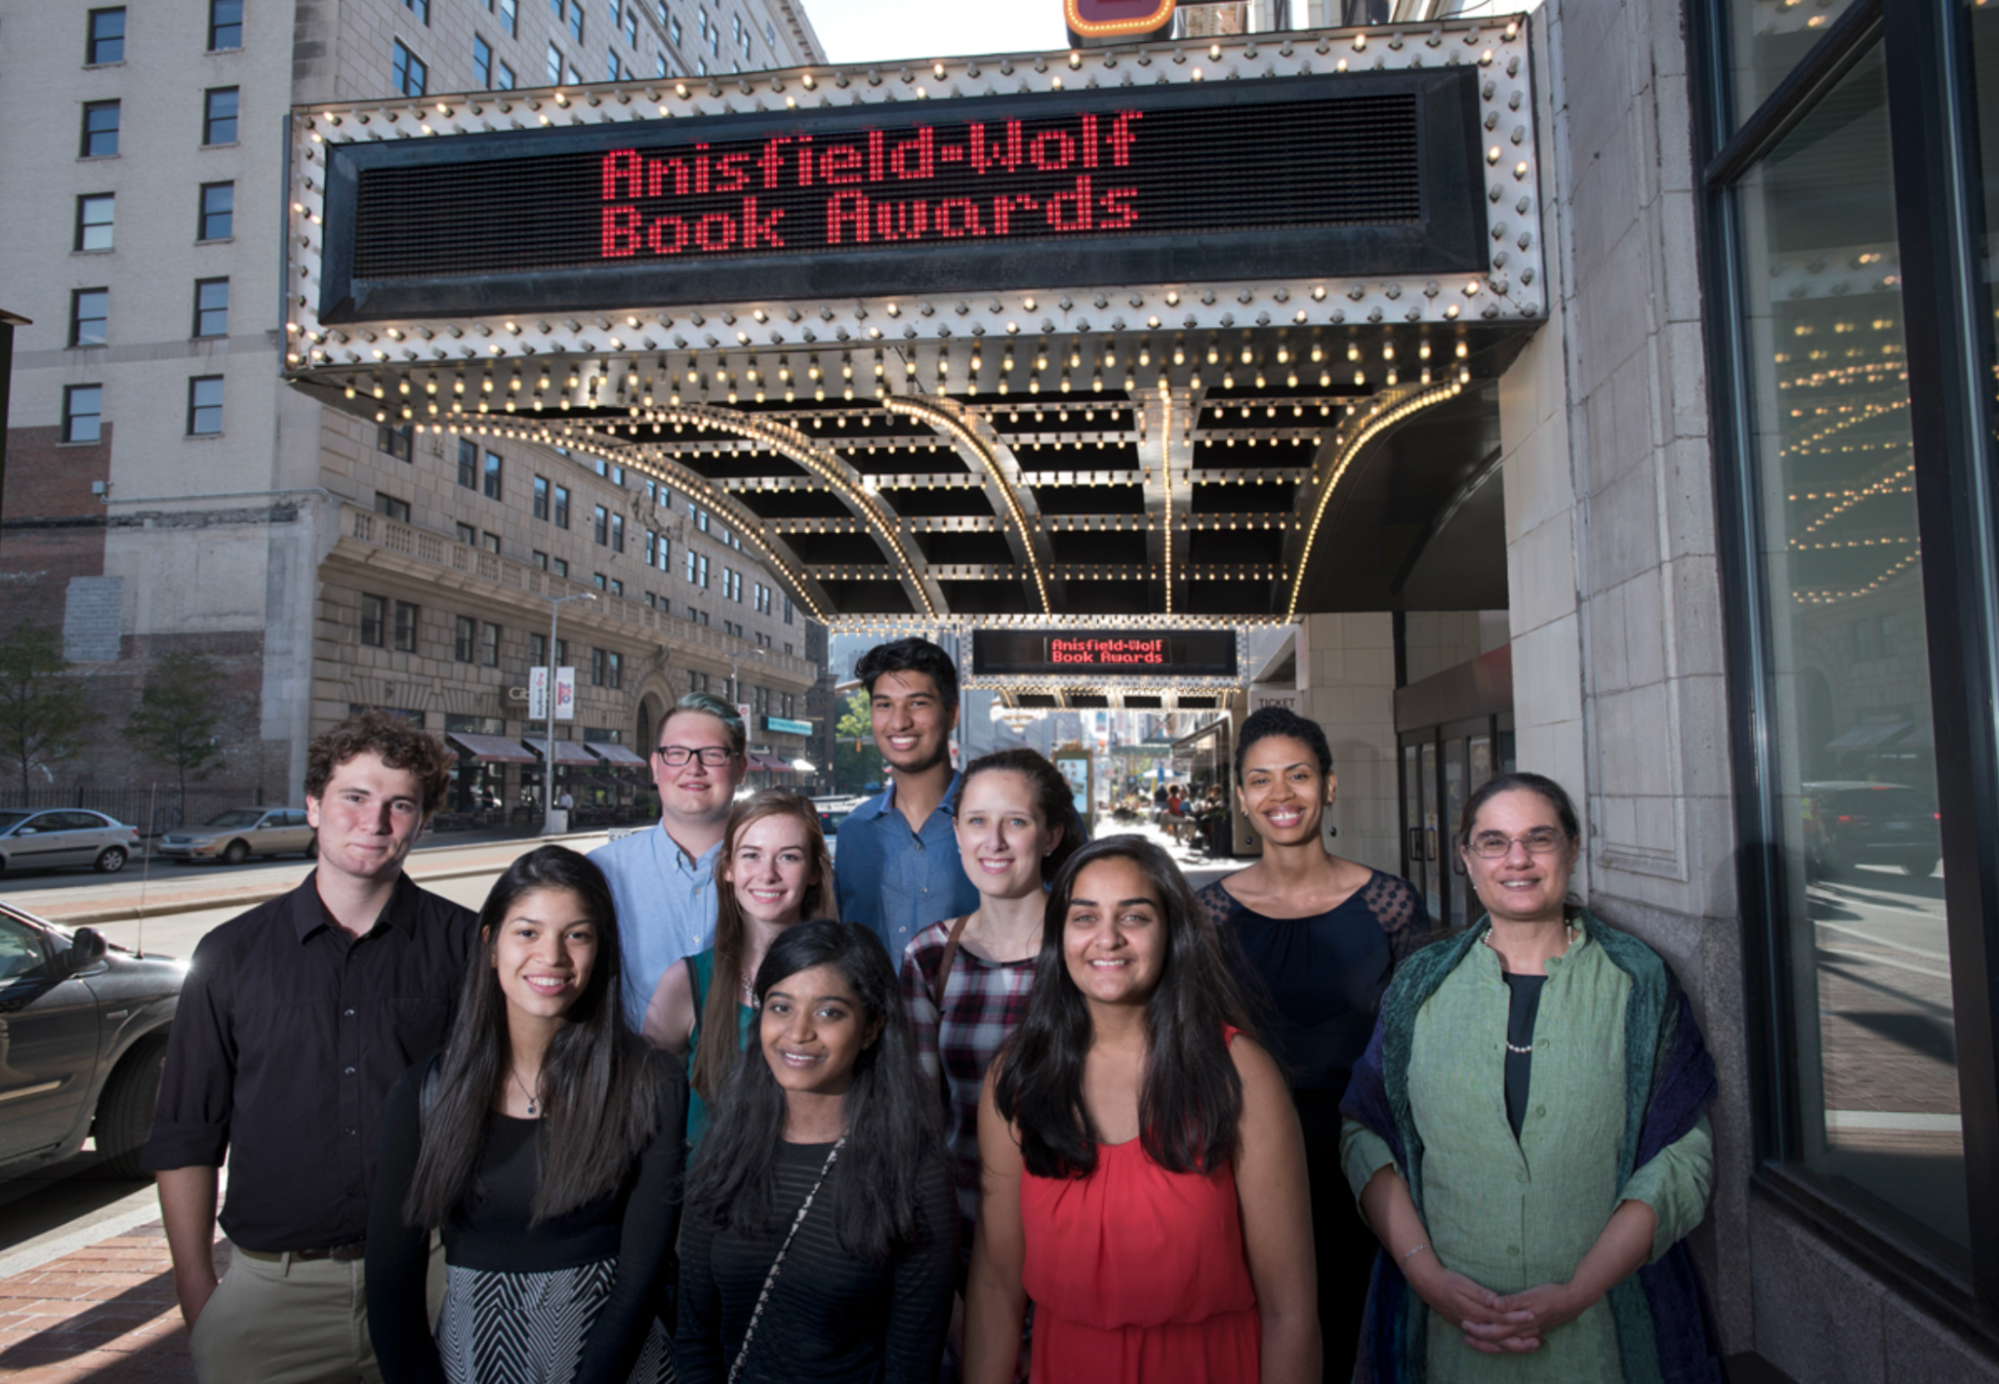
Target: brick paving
106,1312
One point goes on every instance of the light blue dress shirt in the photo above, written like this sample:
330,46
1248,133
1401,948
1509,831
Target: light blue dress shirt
897,882
666,907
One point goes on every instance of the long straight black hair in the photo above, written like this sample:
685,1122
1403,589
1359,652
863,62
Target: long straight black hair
1191,1100
891,1114
600,1084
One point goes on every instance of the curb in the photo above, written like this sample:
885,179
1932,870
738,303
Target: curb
250,899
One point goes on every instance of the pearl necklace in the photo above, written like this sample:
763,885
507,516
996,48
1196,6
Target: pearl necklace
1575,931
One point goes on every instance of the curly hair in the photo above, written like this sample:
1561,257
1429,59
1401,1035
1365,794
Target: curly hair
399,745
1265,722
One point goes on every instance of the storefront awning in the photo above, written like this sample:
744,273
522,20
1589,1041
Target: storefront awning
615,754
566,752
770,762
496,749
1868,733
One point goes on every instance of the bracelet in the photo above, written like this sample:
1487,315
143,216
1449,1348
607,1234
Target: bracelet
1412,1250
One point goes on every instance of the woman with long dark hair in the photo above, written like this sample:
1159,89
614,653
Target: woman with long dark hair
774,871
820,1234
544,1142
1317,938
1527,1132
966,979
1144,1178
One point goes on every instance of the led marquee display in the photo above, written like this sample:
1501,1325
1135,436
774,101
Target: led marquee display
1367,173
1161,653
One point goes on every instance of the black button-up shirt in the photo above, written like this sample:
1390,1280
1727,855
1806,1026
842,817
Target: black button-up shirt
289,1035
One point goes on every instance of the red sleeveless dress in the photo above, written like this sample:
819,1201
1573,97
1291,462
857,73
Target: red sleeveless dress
1139,1274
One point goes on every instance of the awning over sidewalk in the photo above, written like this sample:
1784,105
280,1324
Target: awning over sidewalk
566,752
615,754
770,762
495,749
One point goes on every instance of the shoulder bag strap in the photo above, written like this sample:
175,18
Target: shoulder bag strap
756,1314
950,955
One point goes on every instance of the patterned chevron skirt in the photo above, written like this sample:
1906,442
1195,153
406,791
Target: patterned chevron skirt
506,1327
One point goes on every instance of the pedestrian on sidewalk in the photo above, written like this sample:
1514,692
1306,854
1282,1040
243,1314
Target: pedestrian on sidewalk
295,1021
544,1142
662,879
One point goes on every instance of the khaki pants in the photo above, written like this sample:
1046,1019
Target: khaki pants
293,1320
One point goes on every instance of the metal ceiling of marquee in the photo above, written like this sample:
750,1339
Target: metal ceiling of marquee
1206,453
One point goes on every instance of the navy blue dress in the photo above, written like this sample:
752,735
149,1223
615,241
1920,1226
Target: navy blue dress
1316,983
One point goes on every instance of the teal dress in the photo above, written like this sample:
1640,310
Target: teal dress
701,968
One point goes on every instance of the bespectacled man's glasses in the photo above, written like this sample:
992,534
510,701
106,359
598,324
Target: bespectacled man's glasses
713,756
1540,842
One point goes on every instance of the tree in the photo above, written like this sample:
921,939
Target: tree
855,759
42,716
176,718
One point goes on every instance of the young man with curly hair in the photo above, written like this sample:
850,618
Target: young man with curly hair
296,1020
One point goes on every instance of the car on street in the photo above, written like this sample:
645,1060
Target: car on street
833,810
83,1036
32,840
235,835
1855,822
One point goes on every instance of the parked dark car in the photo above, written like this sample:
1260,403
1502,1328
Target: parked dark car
83,1035
31,840
1860,822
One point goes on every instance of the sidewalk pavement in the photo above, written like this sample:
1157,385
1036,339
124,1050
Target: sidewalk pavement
103,1313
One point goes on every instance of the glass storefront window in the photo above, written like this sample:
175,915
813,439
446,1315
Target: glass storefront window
1768,37
1869,958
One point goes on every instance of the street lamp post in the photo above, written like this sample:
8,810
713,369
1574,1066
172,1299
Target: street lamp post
548,756
735,688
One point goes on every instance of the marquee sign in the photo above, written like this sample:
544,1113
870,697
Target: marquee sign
1108,19
1357,174
1135,652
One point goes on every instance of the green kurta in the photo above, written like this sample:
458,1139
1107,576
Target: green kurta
1513,1214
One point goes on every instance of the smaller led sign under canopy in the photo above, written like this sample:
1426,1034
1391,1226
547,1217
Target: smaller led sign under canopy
1139,652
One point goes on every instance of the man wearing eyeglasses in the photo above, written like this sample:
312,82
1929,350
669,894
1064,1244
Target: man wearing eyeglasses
662,880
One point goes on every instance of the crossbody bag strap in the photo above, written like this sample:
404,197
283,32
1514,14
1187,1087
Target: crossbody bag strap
950,956
763,1296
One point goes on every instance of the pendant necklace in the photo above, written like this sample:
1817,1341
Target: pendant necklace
534,1107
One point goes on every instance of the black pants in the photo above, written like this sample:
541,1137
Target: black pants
1344,1246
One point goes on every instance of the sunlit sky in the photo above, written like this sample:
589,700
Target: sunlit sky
883,30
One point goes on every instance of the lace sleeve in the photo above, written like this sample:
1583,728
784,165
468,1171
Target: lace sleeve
1217,905
1400,911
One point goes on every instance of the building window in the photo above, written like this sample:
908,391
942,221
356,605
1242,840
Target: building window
614,669
787,610
554,66
407,73
218,211
464,638
218,116
374,619
600,581
392,508
100,129
106,37
211,309
673,29
617,587
632,26
492,476
510,20
88,311
482,62
225,25
539,559
93,221
82,413
406,627
399,443
617,533
489,645
701,66
597,668
611,70
697,568
204,406
468,534
659,65
600,526
468,464
562,507
419,8
503,78
559,566
541,497
537,650
576,20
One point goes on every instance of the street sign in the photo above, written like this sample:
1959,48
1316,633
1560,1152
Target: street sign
565,694
537,694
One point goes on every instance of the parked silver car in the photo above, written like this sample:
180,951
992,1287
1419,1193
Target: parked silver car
239,833
31,840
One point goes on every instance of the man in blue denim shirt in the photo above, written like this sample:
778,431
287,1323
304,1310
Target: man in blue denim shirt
898,870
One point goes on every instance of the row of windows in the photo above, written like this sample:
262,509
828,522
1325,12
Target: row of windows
221,108
83,409
392,624
104,31
90,313
96,216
